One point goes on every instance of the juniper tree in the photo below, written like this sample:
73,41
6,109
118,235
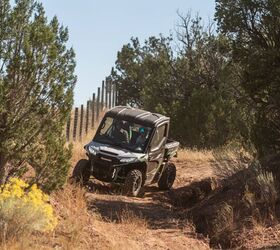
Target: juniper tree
253,27
36,90
186,77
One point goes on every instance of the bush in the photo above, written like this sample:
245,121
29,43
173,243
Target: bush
51,162
36,92
24,209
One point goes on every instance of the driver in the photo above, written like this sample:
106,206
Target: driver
119,132
142,137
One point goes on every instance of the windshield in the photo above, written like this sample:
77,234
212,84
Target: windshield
125,134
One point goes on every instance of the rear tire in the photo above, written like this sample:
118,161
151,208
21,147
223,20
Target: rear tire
133,183
81,172
168,177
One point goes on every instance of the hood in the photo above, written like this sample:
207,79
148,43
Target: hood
111,150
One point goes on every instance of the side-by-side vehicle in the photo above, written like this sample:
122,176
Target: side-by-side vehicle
130,147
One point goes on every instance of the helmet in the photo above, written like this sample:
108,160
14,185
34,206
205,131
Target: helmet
142,130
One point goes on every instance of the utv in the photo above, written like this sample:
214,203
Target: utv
131,148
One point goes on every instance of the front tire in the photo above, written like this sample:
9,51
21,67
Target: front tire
81,172
133,183
168,177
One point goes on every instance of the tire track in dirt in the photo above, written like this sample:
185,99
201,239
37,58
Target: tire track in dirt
168,229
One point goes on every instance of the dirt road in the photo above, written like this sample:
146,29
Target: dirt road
167,228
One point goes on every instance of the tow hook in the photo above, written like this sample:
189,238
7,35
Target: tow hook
114,173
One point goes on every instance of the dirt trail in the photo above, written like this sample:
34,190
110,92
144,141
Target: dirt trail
168,229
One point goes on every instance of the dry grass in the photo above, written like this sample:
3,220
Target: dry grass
195,155
80,228
230,160
75,229
78,151
223,221
202,164
76,222
129,218
128,232
259,237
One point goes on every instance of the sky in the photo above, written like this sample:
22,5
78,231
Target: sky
99,29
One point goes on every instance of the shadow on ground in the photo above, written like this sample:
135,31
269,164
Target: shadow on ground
154,205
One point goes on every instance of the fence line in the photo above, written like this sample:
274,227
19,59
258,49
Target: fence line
82,120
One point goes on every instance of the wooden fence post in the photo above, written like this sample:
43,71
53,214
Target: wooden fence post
114,95
81,121
75,123
117,96
93,110
106,93
68,128
87,116
85,119
98,103
110,95
102,96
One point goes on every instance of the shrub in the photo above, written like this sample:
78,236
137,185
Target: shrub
264,189
24,209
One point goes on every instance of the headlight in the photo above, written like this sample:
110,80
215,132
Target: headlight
92,151
128,159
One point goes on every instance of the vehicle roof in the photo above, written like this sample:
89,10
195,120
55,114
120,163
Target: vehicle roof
135,115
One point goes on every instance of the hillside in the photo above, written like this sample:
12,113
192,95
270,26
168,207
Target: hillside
99,217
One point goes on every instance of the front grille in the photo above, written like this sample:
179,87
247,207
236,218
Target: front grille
102,172
107,159
103,167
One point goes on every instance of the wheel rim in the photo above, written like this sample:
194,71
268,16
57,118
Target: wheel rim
137,185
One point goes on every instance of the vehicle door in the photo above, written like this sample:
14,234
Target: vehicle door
156,151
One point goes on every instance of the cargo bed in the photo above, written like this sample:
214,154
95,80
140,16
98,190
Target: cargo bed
171,148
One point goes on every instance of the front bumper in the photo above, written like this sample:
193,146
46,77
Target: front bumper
106,168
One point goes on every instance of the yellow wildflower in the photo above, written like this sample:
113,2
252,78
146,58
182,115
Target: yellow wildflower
28,203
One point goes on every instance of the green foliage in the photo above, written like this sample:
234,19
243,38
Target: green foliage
51,162
36,89
253,27
188,78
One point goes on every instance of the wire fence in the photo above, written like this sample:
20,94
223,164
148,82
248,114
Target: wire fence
85,118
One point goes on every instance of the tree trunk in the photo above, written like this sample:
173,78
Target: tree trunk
3,169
